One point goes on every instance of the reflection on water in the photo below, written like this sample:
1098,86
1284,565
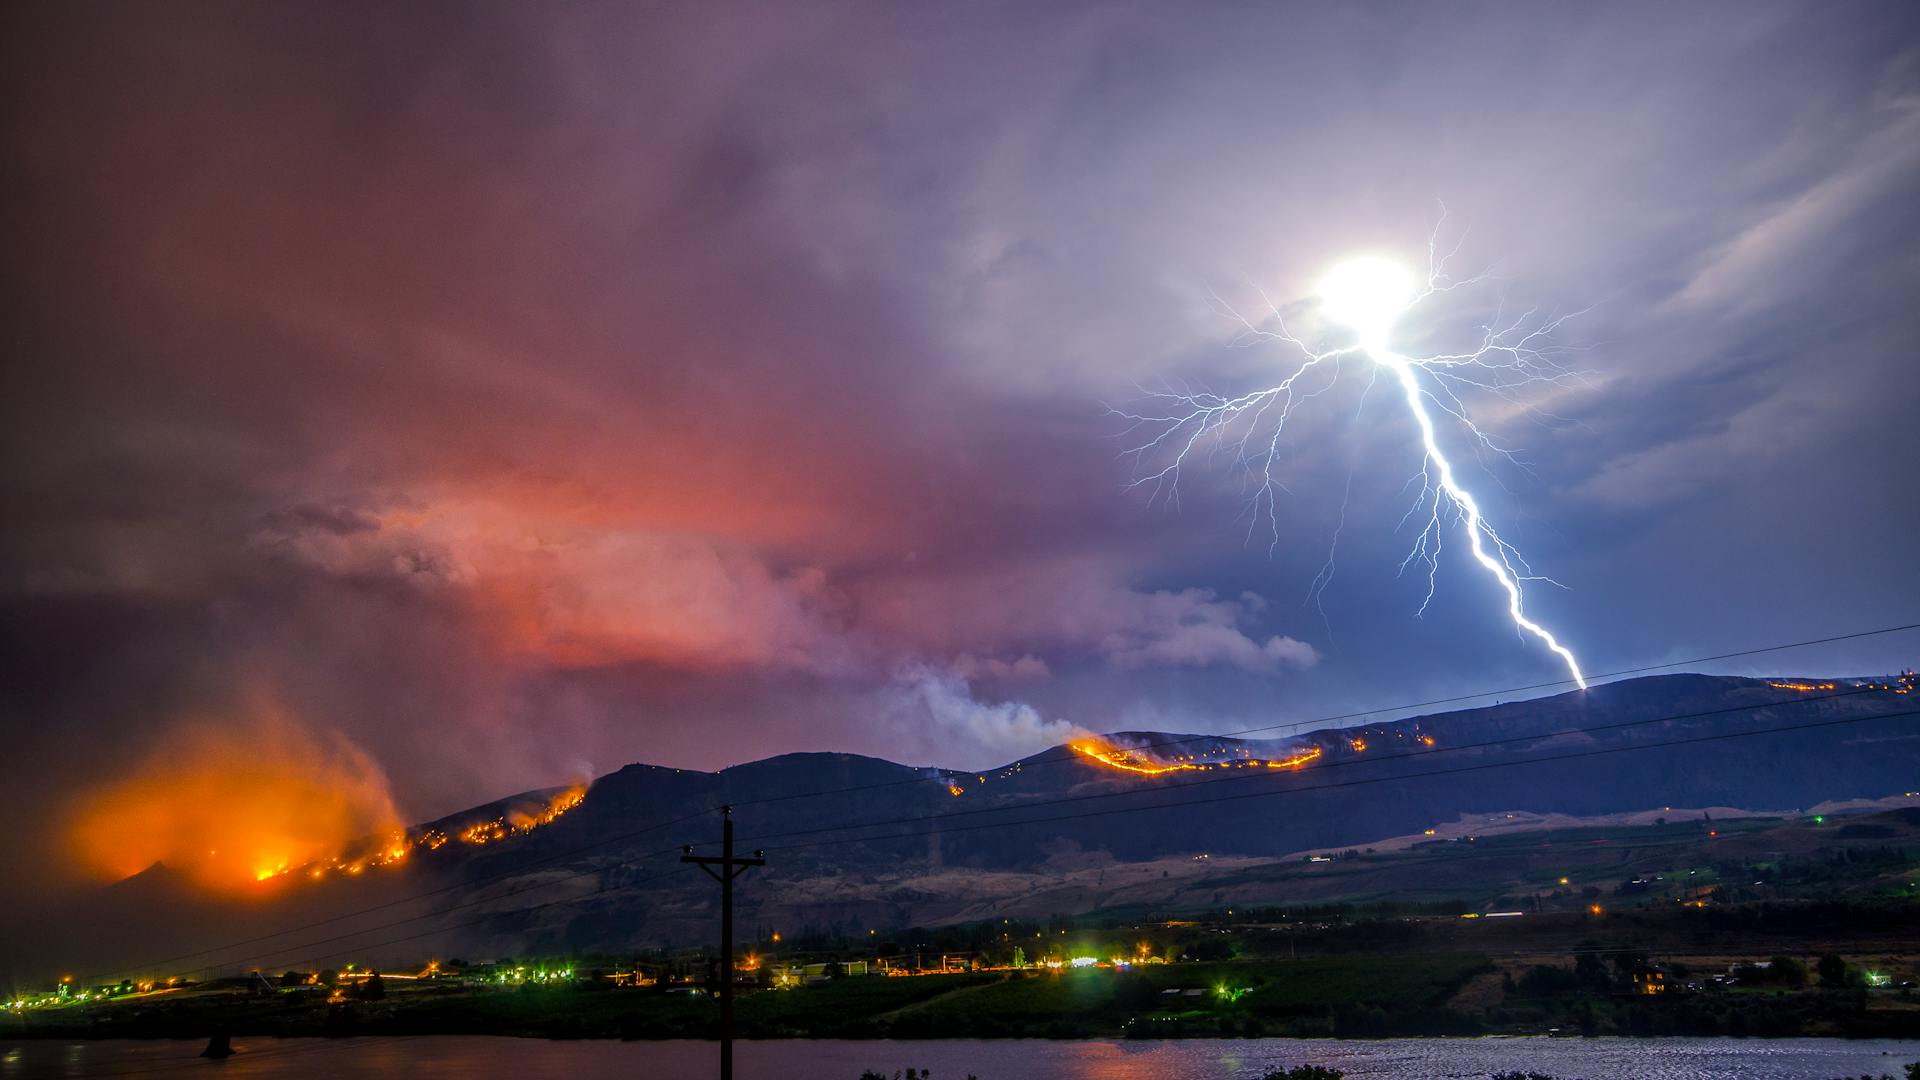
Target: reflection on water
429,1058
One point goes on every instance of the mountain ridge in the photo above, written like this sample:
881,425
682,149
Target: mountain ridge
860,841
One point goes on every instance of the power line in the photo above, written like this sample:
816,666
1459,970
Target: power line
302,951
1355,783
1258,775
1295,725
466,884
299,952
583,849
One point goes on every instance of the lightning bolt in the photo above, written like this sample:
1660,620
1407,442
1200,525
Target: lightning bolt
1509,357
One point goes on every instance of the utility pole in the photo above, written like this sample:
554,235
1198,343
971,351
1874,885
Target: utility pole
728,869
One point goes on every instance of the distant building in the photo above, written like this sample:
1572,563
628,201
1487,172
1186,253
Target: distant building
1648,979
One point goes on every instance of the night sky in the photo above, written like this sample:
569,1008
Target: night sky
434,401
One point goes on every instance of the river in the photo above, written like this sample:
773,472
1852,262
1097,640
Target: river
434,1057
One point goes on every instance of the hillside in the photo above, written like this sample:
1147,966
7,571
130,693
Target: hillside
1144,820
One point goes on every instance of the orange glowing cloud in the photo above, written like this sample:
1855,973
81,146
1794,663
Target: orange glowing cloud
567,593
228,804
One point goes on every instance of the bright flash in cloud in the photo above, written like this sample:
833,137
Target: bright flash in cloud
1367,295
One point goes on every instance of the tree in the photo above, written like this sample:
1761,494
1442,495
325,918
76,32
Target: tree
1625,962
1544,980
1592,972
1833,971
1787,971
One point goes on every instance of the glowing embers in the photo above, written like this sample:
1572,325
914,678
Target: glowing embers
1115,756
396,848
1803,687
514,823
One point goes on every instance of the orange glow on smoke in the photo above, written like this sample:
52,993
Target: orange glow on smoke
231,804
1115,756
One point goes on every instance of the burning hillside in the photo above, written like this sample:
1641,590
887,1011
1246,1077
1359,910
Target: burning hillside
1201,754
226,809
517,819
274,801
1218,756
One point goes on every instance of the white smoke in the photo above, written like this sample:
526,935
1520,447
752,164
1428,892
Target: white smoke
937,719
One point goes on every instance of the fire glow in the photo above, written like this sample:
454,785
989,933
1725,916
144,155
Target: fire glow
401,844
226,803
1115,756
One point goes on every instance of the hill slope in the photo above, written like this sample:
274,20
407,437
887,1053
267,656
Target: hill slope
1060,831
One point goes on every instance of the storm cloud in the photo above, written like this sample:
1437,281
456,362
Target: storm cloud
506,390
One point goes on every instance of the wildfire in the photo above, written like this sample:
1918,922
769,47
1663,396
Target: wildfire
233,801
1115,756
1803,687
397,847
515,822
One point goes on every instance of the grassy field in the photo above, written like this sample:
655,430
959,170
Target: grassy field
1238,997
1344,996
1235,996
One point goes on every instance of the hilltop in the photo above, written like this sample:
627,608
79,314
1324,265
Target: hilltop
1139,821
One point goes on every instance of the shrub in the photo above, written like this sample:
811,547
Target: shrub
1833,971
1544,980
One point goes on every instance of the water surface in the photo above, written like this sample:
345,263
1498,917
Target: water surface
434,1057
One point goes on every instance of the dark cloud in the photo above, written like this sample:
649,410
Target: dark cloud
509,390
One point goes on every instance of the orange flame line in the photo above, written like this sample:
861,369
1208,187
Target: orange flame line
1115,757
480,832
